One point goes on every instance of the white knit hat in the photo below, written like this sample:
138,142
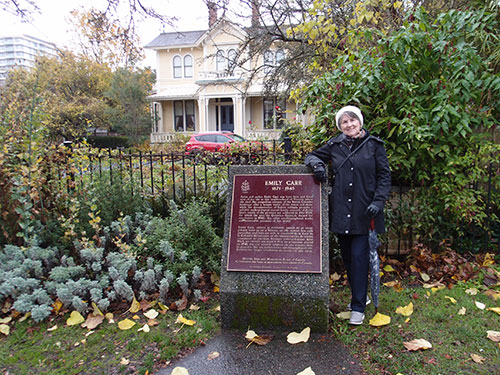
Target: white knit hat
348,108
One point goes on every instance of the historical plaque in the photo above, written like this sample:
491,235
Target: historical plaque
275,224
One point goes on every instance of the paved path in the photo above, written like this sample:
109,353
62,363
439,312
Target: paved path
325,355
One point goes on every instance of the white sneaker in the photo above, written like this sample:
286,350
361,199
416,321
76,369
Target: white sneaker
368,301
356,318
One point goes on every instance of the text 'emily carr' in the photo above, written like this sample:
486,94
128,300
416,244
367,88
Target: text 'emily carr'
280,182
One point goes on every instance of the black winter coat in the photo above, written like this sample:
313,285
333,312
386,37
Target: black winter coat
363,179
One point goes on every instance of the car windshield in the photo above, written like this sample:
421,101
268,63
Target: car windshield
237,138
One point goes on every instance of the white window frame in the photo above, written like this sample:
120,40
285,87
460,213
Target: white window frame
274,121
186,75
183,116
179,67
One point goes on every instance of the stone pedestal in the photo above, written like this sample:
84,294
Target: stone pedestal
283,284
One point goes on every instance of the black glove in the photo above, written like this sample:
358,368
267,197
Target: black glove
372,210
319,172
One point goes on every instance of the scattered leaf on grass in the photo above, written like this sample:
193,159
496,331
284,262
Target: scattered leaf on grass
5,329
182,303
145,305
295,338
97,310
135,306
217,308
259,340
52,328
462,311
93,321
452,300
109,317
151,314
405,311
182,320
425,277
493,294
136,317
489,259
25,316
471,291
436,284
124,361
394,284
335,277
494,309
216,289
417,344
162,306
344,315
126,324
153,322
380,320
307,371
144,328
57,305
388,268
477,358
194,307
480,305
75,318
493,335
437,288
213,355
180,371
5,320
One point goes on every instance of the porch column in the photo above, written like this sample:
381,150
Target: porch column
203,114
239,115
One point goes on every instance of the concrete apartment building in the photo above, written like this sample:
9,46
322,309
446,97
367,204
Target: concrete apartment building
21,51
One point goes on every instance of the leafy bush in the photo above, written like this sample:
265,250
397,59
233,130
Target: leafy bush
102,141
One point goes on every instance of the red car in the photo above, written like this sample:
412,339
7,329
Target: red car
223,142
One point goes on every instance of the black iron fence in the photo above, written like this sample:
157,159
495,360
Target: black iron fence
177,176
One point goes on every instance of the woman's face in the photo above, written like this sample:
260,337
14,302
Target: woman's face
350,126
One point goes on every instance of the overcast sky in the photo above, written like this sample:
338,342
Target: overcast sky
51,24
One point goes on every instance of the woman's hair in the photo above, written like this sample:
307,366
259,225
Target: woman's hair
350,114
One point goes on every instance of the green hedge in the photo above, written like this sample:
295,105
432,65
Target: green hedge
103,141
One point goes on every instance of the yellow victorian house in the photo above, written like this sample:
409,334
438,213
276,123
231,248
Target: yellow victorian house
207,82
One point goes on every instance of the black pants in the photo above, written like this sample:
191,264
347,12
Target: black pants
355,254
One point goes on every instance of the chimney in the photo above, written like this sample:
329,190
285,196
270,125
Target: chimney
255,13
212,13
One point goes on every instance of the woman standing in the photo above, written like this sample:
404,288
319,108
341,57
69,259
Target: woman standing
361,186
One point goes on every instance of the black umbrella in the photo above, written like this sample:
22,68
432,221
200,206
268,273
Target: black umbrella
374,264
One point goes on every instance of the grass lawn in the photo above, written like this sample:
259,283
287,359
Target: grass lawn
31,349
456,339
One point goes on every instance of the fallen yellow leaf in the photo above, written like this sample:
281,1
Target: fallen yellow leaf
135,306
136,317
388,268
153,322
417,344
180,371
259,340
182,320
493,294
5,329
295,338
425,277
462,311
109,317
97,310
344,315
405,311
144,328
57,305
471,291
194,307
380,320
494,309
151,314
477,358
407,320
216,289
335,277
480,305
5,320
25,316
213,355
489,259
126,324
437,288
52,328
162,306
436,284
493,335
452,300
75,318
307,371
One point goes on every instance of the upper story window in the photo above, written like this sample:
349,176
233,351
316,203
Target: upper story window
274,113
221,62
188,66
231,59
177,67
226,60
183,66
272,59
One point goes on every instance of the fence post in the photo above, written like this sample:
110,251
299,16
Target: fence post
288,149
